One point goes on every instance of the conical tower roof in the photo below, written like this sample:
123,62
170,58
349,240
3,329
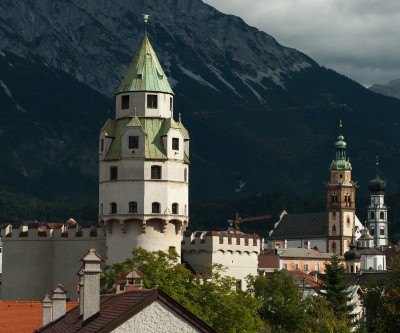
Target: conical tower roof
145,72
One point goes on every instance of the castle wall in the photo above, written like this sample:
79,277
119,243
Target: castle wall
37,259
237,252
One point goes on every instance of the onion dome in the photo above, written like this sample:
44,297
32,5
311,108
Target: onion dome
377,186
340,162
352,254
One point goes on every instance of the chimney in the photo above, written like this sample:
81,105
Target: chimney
308,244
59,301
91,283
285,244
80,291
47,307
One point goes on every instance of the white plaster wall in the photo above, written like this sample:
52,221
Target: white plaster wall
27,268
138,100
33,265
239,260
120,244
373,261
156,318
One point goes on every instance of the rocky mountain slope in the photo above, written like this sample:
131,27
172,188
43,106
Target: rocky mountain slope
262,117
391,89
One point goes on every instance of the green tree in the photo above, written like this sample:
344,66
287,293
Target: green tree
336,289
322,319
283,308
214,300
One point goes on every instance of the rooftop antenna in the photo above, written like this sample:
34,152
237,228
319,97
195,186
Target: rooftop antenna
145,20
180,120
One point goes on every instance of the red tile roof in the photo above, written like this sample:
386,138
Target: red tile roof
22,316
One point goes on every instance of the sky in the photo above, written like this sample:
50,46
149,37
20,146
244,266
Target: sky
357,38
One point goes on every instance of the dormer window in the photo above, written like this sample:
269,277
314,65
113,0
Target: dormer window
113,172
175,144
125,102
152,101
133,142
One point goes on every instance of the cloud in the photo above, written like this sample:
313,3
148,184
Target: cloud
358,38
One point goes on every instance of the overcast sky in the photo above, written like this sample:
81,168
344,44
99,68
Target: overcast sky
357,38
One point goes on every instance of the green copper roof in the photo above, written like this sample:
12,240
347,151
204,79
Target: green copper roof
340,162
145,72
154,144
114,153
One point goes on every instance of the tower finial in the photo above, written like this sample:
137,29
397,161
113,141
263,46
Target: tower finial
145,20
340,123
180,120
377,165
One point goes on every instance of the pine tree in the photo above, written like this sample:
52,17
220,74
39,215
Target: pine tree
336,289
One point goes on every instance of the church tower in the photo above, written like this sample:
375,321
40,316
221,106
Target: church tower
340,191
377,221
144,163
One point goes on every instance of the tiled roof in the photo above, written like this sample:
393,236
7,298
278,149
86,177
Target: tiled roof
268,259
365,278
305,253
295,226
23,316
116,309
306,279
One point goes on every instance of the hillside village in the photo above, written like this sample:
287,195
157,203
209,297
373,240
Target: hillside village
144,163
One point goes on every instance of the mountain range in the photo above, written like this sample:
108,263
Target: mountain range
262,117
391,89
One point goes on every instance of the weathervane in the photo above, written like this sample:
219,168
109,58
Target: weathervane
145,20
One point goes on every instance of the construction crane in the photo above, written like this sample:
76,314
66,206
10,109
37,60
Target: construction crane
239,220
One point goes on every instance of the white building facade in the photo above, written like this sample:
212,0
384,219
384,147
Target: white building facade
377,222
236,251
144,164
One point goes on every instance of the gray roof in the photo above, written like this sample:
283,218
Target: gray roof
367,277
295,226
305,253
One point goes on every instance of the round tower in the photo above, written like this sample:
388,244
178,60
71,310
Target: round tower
340,191
377,221
144,163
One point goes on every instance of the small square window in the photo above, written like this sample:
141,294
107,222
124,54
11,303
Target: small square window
155,207
306,267
133,142
155,172
125,102
133,207
113,173
175,144
382,232
152,101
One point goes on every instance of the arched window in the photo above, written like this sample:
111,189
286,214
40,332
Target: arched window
155,207
175,208
334,198
348,221
372,215
372,232
333,215
334,230
133,207
347,199
382,215
113,208
333,247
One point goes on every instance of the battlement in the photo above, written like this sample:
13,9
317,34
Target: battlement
42,231
221,241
